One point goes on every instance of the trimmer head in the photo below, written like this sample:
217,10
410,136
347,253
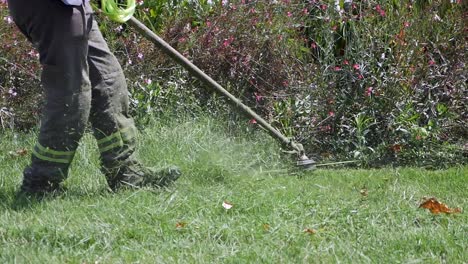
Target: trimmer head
305,163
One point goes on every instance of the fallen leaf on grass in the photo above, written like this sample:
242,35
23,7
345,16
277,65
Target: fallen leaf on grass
364,192
437,207
396,148
18,152
227,205
310,231
180,225
266,227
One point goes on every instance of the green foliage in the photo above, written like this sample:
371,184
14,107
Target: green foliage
378,61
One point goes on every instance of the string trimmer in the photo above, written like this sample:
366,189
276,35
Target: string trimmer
124,13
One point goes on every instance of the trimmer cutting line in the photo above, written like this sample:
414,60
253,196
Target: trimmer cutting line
124,13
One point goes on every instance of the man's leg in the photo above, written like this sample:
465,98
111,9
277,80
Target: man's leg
113,127
60,33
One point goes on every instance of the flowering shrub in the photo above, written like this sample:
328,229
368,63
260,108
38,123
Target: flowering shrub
382,62
379,82
19,76
383,82
390,71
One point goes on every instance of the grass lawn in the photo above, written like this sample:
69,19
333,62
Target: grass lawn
278,215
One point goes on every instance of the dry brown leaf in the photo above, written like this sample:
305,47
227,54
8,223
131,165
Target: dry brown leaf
22,152
266,227
364,192
437,207
180,225
19,152
310,231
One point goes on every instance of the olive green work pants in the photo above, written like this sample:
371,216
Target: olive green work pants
82,81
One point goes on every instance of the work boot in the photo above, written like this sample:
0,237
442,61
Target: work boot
28,196
136,176
37,185
40,189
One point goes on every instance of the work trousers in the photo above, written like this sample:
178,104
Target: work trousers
82,81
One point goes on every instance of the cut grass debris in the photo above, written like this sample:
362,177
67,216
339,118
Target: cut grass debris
238,202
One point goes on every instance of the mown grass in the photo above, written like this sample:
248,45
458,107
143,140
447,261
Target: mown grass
272,206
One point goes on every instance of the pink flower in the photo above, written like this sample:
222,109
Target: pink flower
323,7
356,66
140,2
313,45
140,55
325,128
369,91
380,10
432,62
33,53
305,11
253,121
148,81
289,14
12,92
118,29
227,42
360,77
337,68
8,19
331,114
258,97
346,62
406,24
